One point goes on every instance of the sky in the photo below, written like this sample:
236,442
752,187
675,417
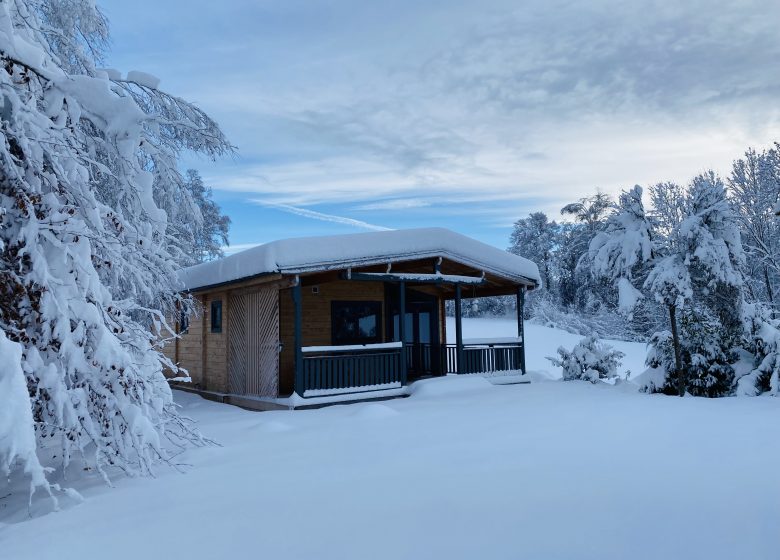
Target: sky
362,115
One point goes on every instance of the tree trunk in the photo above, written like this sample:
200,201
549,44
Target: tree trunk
769,292
680,374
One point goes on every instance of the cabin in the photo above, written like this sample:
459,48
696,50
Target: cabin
348,314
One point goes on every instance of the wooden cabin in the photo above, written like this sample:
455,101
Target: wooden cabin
322,315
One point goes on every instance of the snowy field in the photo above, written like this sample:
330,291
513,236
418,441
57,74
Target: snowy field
461,469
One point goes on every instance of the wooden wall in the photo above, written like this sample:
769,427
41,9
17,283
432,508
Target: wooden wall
203,353
316,319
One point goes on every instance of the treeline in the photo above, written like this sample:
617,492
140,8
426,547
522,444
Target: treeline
691,268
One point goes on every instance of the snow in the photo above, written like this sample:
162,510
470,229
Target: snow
348,390
541,341
143,79
349,347
304,254
17,437
412,277
498,340
460,469
628,295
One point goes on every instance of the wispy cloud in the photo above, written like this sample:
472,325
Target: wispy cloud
484,105
321,216
396,204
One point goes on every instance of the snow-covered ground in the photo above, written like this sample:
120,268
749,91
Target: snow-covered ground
461,469
544,341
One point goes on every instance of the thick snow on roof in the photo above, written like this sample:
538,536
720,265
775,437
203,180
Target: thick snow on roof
306,254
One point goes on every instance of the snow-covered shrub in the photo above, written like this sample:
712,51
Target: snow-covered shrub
590,360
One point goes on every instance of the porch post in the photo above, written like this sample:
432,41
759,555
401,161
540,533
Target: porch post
298,338
402,328
520,326
458,331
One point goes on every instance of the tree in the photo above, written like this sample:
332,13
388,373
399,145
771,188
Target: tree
590,210
754,188
692,255
212,231
534,237
88,187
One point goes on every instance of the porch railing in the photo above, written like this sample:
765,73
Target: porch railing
478,357
334,369
487,357
330,370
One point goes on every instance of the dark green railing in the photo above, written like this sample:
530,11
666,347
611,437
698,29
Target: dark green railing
484,358
334,369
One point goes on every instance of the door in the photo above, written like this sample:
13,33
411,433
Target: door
253,360
421,333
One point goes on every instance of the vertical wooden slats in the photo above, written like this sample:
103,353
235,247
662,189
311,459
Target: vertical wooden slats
254,343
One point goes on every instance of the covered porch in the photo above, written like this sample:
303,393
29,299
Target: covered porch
371,348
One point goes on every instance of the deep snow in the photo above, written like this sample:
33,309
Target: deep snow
461,469
291,256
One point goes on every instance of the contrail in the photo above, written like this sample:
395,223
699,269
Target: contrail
323,217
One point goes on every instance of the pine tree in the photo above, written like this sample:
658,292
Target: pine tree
89,187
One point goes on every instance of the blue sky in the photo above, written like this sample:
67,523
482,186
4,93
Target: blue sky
354,115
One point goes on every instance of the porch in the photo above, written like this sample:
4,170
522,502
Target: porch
400,351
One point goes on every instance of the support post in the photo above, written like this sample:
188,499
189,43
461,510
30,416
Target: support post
458,330
298,337
402,329
520,325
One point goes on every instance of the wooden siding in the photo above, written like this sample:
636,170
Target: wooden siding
189,348
203,353
316,329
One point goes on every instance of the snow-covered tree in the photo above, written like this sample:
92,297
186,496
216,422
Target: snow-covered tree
754,188
88,187
623,247
212,233
534,237
762,340
691,256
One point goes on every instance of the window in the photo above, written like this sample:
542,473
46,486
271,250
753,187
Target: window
216,316
356,322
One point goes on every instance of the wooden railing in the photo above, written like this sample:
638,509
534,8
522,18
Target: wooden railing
333,370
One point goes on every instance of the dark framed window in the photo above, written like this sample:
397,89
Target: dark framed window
356,322
216,316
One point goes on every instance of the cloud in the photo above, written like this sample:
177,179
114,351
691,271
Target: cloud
471,102
396,204
322,217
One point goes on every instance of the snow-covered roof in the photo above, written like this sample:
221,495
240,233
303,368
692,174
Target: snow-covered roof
308,254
